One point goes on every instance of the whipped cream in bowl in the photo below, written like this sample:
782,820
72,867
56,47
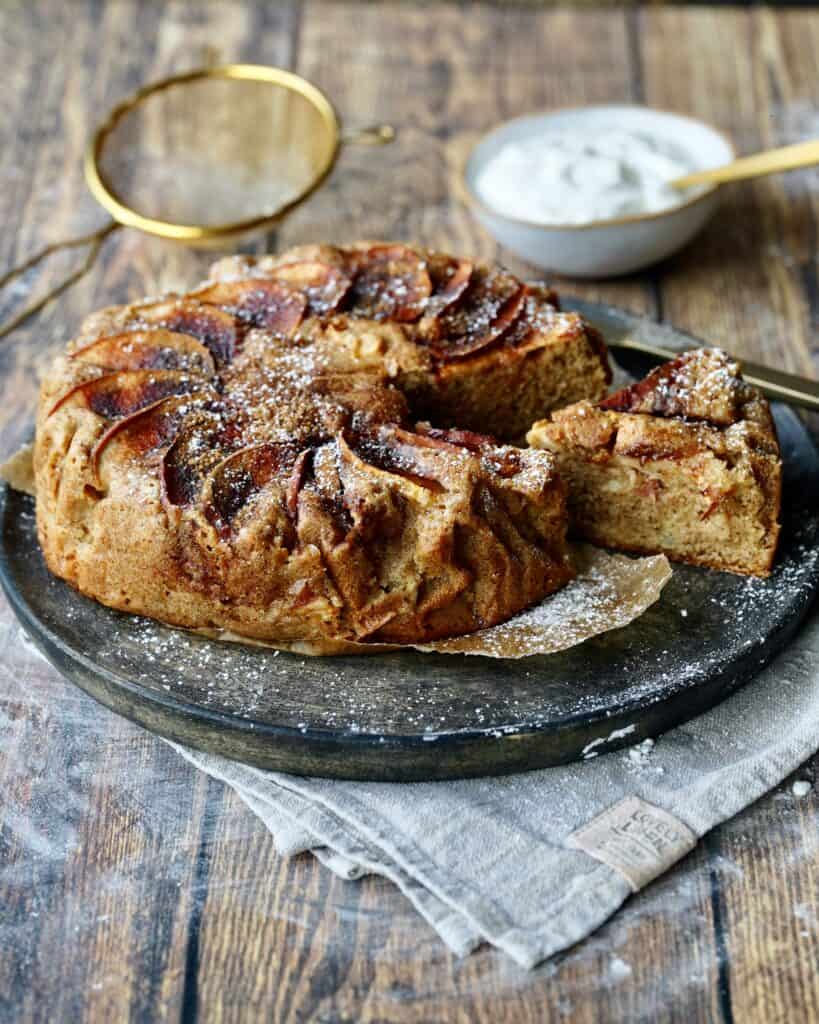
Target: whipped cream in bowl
564,177
586,192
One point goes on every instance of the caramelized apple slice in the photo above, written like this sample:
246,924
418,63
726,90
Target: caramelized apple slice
390,282
450,278
213,327
638,397
148,350
363,392
481,336
296,481
153,427
119,394
321,284
259,302
502,459
468,439
203,441
488,307
236,479
703,384
393,452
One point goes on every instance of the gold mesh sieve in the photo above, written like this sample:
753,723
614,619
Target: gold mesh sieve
204,157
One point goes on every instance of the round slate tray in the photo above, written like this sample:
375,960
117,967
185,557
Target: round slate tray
410,716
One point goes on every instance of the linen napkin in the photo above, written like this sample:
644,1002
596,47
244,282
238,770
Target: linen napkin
533,863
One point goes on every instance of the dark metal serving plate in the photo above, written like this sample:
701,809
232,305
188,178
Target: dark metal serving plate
411,716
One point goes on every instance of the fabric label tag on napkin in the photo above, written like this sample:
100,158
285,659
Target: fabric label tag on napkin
637,839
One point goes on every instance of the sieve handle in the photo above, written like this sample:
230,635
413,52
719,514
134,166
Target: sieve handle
373,135
94,241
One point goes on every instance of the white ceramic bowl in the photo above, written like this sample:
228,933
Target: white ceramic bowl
603,248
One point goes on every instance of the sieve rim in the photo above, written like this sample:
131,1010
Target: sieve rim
105,194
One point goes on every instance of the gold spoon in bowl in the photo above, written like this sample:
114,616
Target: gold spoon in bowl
772,161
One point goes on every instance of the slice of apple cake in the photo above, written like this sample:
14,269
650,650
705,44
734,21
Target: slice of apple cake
685,462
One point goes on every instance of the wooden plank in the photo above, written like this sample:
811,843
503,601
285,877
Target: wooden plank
287,941
99,824
784,50
104,831
769,856
768,862
741,284
762,89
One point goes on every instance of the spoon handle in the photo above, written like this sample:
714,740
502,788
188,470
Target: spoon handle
787,158
775,384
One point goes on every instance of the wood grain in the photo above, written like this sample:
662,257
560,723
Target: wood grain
132,887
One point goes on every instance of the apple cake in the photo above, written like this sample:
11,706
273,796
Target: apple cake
686,463
257,455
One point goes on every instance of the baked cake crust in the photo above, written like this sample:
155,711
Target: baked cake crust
247,456
686,462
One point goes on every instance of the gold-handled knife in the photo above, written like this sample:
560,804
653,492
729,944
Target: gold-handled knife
775,384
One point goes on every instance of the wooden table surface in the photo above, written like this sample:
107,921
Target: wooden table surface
132,887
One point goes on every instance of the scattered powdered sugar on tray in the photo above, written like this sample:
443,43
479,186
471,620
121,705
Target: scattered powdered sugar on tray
638,758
